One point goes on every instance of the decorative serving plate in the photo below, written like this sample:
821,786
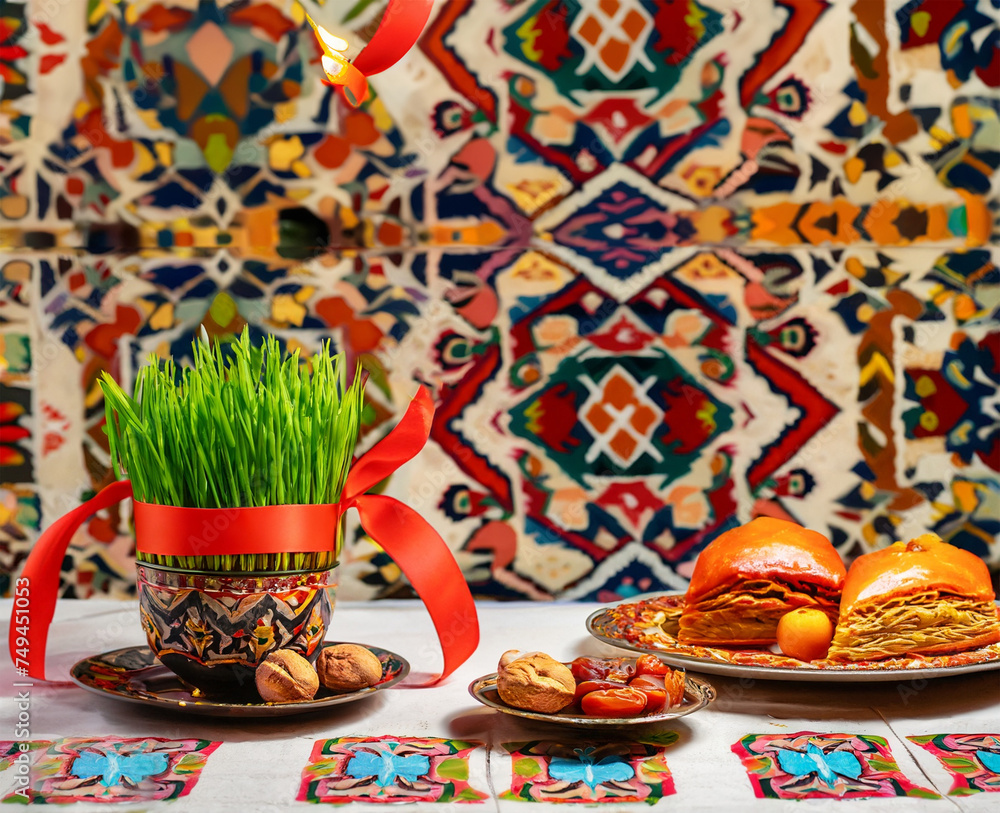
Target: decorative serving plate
642,625
133,674
697,694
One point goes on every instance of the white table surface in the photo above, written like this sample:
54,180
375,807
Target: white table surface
259,765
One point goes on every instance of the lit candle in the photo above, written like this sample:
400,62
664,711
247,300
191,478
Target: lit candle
338,70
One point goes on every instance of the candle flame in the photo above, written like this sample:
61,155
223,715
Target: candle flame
335,65
329,42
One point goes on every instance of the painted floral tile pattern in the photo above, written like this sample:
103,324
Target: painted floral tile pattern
973,760
547,771
810,765
110,769
664,265
389,770
11,750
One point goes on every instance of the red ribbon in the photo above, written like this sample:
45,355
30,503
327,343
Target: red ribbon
398,31
171,531
40,579
408,538
401,24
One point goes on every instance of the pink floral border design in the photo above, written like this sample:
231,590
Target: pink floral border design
545,771
389,769
110,769
10,751
811,765
973,760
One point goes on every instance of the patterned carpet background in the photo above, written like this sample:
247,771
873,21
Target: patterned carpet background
665,266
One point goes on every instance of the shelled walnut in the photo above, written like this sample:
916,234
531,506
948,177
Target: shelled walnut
286,677
348,668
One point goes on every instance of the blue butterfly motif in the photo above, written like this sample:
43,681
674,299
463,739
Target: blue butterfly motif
815,760
990,760
386,766
112,767
586,770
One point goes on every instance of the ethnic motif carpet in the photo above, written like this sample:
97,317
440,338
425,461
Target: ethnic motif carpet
665,266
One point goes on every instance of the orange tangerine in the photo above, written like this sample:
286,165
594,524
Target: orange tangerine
805,634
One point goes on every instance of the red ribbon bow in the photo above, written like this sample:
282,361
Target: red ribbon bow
408,538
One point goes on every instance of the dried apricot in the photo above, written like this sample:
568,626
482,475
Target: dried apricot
621,702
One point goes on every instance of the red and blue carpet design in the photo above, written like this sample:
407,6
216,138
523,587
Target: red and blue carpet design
665,266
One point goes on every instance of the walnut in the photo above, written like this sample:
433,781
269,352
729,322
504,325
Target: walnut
286,677
348,667
535,682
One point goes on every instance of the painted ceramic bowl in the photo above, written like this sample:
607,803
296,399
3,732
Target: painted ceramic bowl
213,629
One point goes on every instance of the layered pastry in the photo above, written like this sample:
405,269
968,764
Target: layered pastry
922,597
749,577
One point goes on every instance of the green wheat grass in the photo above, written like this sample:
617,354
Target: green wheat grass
262,428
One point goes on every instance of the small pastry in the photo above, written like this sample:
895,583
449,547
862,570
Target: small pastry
749,577
286,677
534,682
915,599
348,668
